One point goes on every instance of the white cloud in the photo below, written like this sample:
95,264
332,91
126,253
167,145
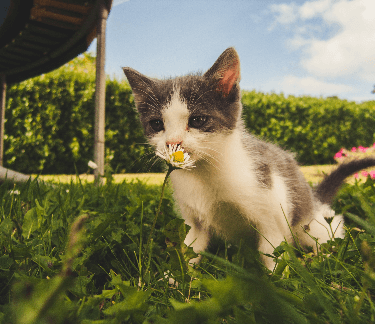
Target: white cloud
350,52
285,13
118,2
313,87
312,9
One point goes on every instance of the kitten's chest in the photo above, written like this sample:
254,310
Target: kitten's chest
206,187
218,203
194,191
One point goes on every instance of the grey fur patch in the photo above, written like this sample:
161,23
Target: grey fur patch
270,158
202,99
197,223
264,175
151,96
328,188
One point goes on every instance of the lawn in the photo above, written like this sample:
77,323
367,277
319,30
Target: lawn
79,253
147,178
313,174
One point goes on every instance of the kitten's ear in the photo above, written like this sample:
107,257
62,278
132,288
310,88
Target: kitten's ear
227,70
139,83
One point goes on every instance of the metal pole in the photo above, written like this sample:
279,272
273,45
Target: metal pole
100,93
2,115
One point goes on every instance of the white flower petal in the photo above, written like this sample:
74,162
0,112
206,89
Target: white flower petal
168,156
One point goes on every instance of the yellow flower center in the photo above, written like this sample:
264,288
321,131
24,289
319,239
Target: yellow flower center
178,156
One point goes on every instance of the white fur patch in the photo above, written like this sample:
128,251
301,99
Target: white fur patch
319,227
279,192
175,117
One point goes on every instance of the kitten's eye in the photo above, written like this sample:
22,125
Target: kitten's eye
157,125
197,121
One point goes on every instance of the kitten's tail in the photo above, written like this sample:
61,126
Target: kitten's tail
328,188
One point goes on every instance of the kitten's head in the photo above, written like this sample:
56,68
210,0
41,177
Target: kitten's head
194,111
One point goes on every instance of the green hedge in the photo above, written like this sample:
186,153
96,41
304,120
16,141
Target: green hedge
50,118
314,128
49,124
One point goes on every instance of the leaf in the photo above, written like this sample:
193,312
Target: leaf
366,225
176,231
79,286
44,261
5,262
30,223
6,227
135,302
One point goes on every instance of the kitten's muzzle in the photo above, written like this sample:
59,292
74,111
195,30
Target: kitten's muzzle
178,143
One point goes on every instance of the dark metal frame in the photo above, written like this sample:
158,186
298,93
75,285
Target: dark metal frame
39,36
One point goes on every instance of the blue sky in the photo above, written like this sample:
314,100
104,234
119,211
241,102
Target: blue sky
305,47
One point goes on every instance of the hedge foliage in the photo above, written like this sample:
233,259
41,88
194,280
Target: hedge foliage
313,128
50,118
49,124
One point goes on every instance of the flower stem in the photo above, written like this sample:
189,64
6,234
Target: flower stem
171,168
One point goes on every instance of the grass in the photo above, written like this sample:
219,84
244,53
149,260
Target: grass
79,253
147,178
313,174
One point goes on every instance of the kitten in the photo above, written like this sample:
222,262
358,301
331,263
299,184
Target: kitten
239,182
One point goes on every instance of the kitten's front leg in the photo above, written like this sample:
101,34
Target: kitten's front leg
198,236
268,241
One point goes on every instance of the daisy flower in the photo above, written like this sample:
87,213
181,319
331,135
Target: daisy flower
175,157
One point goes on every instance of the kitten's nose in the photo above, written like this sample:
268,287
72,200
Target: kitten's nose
174,143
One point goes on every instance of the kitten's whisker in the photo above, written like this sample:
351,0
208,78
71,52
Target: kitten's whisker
152,160
209,162
156,160
212,149
152,91
143,144
210,155
154,109
210,90
204,157
195,94
150,96
139,159
196,101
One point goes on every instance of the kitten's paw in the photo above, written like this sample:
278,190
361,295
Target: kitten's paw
326,225
195,260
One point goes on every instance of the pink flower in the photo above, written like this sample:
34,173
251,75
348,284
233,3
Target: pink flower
356,175
364,173
362,149
338,155
372,174
354,149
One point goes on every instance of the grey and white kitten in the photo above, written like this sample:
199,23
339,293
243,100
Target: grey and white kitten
239,182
